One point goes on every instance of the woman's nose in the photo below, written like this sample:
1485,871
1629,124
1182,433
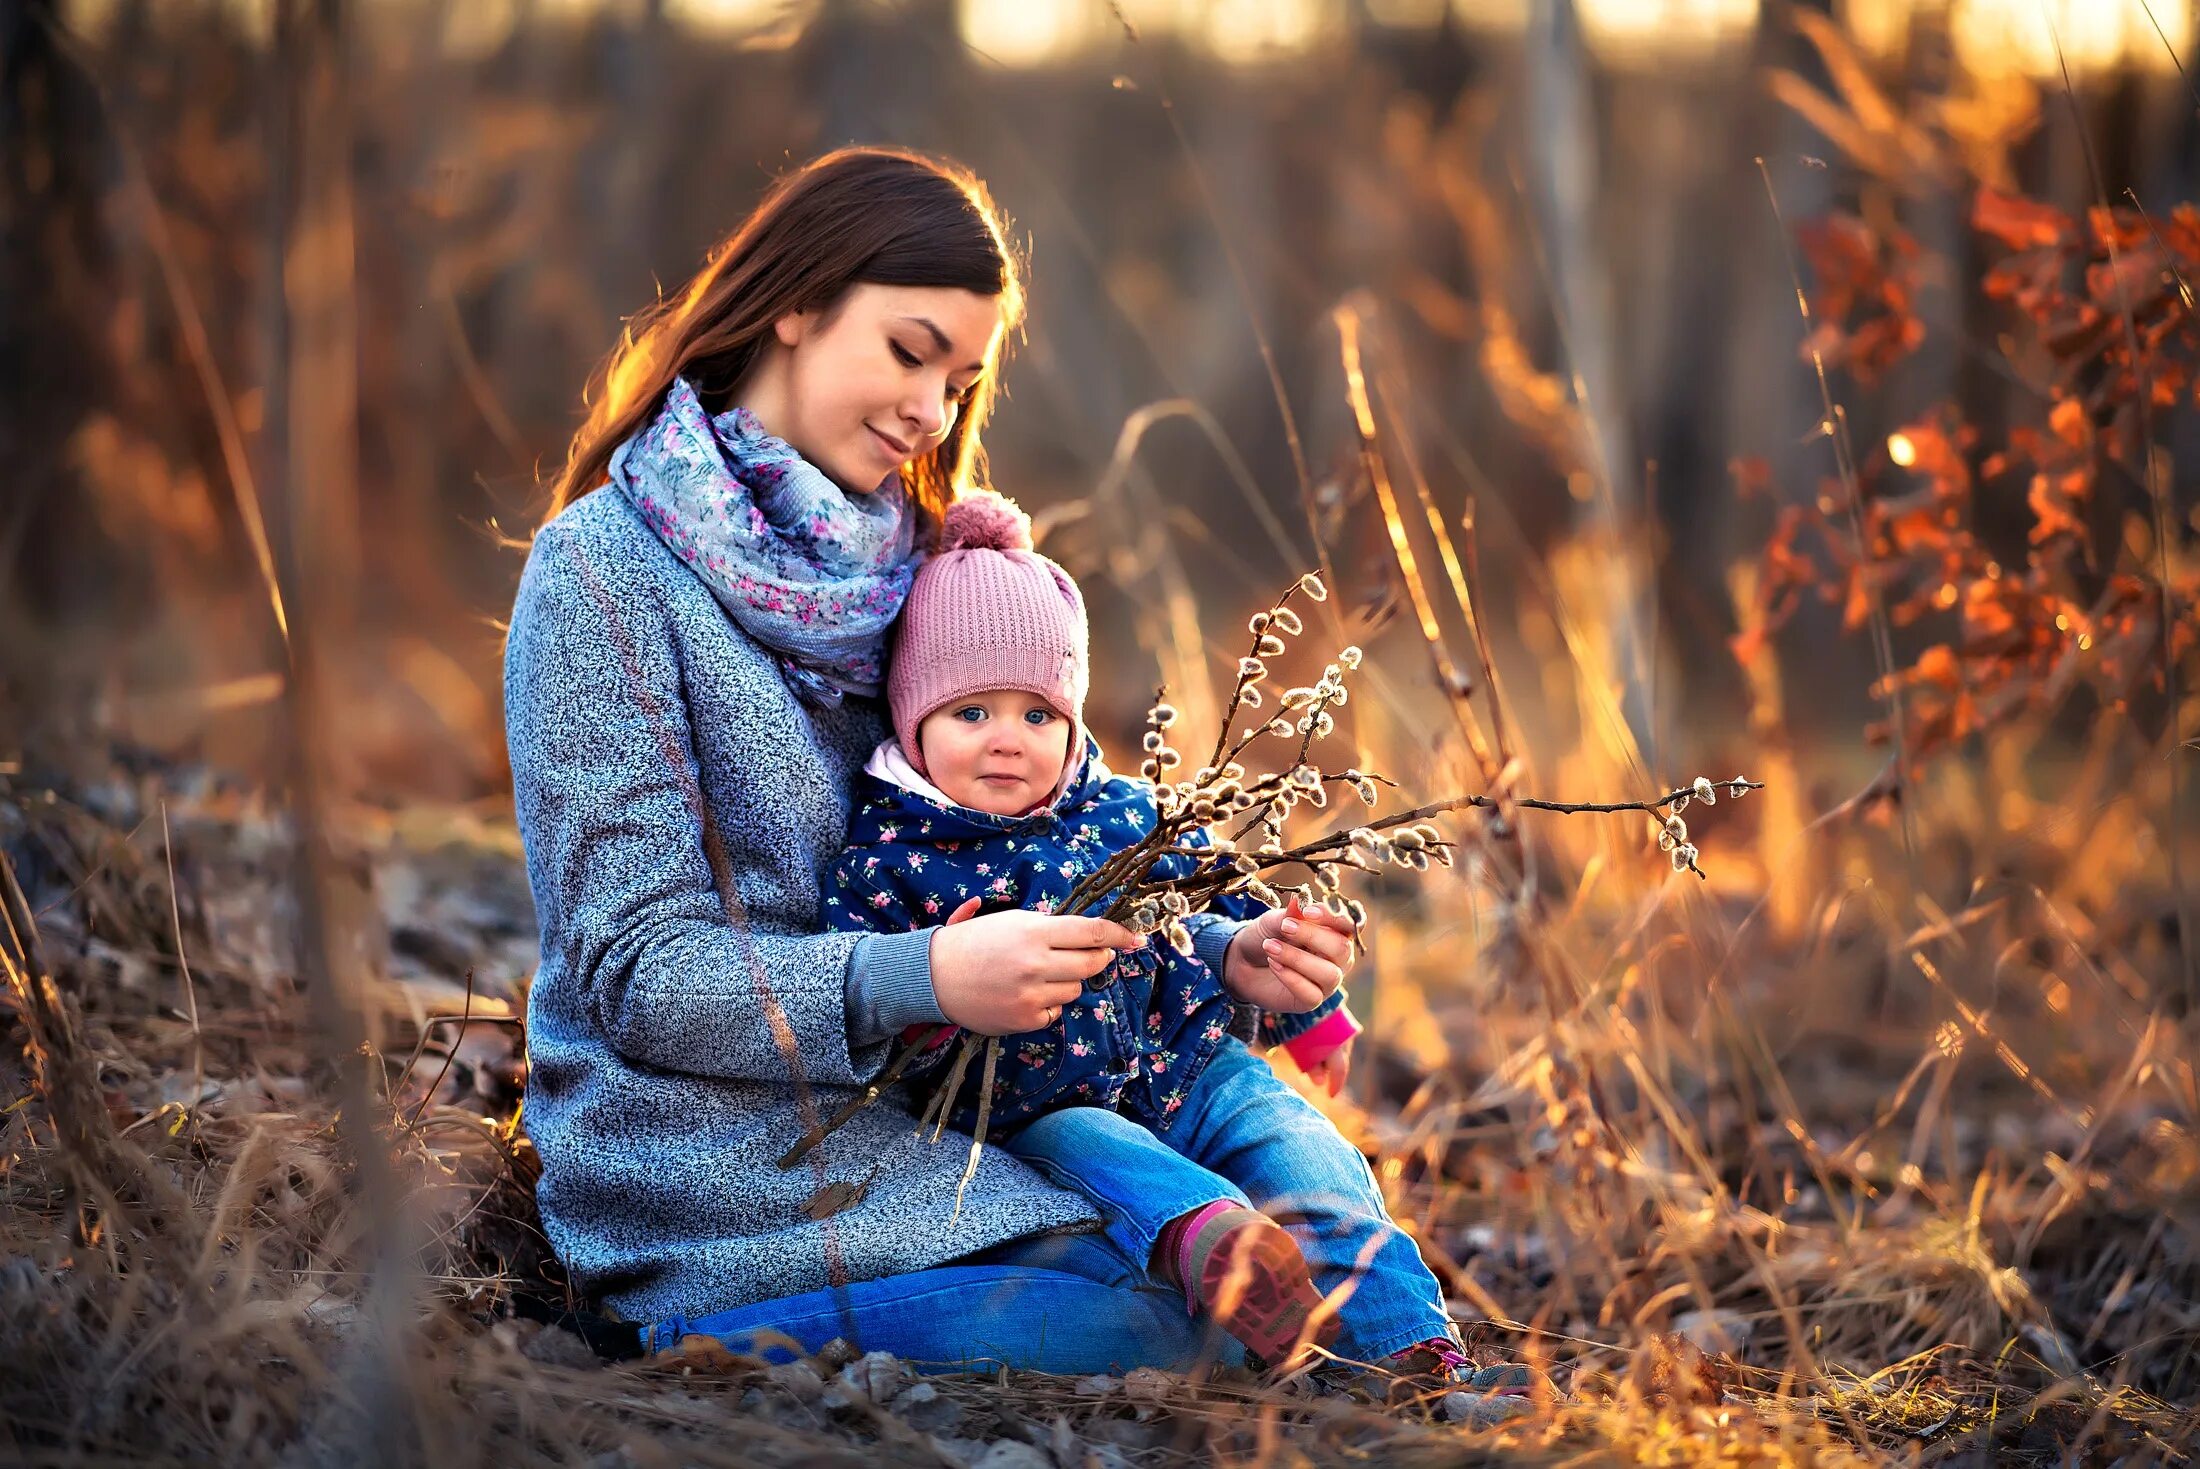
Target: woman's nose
928,416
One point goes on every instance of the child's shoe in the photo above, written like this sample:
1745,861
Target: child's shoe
1438,1373
1245,1272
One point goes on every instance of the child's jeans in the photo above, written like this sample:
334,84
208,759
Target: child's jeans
1243,1134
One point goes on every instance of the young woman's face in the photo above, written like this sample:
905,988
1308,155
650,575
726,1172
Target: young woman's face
1000,752
879,381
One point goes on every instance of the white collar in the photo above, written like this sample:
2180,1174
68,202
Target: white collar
889,764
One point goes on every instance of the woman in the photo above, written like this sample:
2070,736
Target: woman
690,686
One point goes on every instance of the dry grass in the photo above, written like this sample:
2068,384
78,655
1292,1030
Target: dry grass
1912,1159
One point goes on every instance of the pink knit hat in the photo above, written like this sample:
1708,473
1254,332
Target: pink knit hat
988,612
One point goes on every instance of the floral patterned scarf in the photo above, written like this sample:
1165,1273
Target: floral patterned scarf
813,573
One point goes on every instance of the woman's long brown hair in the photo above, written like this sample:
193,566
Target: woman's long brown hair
881,215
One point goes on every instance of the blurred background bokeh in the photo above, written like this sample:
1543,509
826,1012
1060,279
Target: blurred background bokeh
408,230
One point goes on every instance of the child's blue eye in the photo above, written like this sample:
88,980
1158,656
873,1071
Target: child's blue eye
970,714
1038,716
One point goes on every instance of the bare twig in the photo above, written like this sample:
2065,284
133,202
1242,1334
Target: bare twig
466,1013
1229,254
1455,686
871,1092
985,1114
183,961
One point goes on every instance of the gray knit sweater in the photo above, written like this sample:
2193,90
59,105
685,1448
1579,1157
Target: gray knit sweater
678,805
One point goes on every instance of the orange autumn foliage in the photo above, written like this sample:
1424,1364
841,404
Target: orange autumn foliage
2100,325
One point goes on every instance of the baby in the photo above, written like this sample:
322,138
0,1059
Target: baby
1138,1094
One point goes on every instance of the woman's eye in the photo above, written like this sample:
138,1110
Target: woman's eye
903,355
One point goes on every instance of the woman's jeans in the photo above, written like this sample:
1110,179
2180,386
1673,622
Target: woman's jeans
1069,1303
1086,1302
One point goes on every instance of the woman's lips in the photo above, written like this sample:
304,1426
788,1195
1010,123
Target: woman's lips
893,446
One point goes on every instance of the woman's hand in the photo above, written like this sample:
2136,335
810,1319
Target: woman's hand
1332,1071
1008,972
1289,959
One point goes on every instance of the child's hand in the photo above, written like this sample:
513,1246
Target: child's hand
1332,1071
1288,960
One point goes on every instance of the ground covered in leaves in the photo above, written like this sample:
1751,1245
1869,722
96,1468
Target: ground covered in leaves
1917,1221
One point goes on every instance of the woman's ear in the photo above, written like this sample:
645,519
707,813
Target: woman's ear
793,327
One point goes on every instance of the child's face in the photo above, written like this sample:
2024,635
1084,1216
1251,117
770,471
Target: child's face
1000,752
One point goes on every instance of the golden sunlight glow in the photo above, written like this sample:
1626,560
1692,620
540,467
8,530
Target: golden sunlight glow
737,17
1151,17
1247,32
1638,31
1031,32
91,19
1492,16
1407,15
1508,17
475,30
1991,39
1882,27
255,18
94,20
572,10
1901,450
1999,37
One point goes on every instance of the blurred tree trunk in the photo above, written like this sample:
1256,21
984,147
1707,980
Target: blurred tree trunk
55,288
1561,164
320,298
642,147
310,450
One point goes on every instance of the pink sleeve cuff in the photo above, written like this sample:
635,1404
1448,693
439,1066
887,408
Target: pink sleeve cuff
1318,1044
911,1034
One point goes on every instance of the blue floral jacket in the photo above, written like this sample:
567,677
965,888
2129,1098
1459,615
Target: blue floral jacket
1135,1044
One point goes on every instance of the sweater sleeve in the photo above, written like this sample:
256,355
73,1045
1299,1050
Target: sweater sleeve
890,973
1211,935
639,892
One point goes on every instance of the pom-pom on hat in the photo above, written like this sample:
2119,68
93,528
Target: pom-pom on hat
988,612
985,521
